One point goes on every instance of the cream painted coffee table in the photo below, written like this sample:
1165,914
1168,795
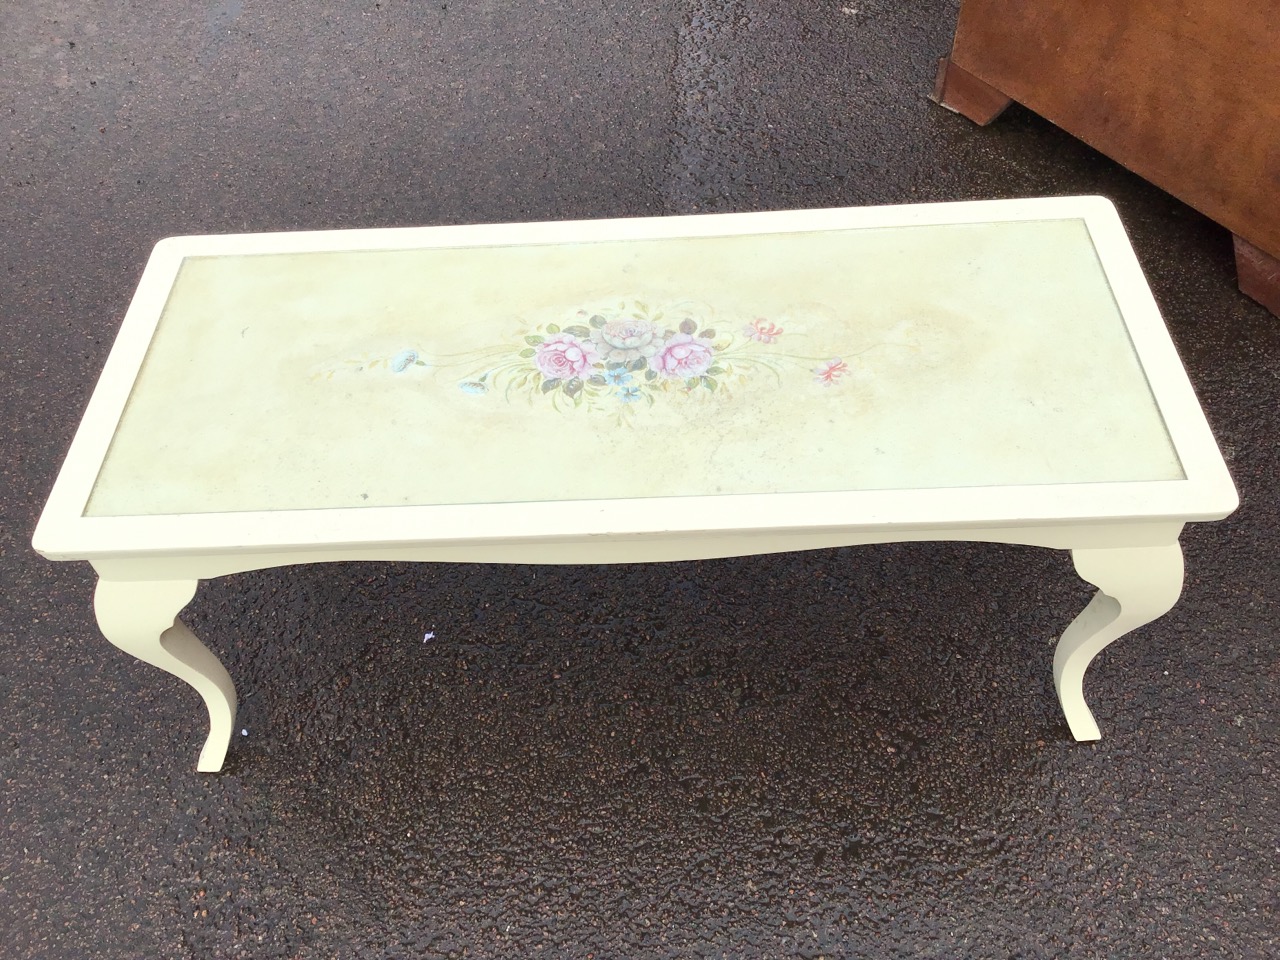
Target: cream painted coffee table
638,390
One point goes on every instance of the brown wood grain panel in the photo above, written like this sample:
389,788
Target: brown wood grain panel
1186,94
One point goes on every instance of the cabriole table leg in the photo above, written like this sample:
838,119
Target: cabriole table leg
1135,585
140,617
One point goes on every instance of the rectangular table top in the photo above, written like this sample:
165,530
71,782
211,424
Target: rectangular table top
1009,349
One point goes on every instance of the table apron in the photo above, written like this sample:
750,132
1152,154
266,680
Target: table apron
631,548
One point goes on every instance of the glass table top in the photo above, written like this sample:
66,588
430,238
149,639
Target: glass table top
863,359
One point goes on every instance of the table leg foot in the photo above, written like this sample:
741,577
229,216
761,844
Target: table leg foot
141,618
1258,274
961,92
1135,586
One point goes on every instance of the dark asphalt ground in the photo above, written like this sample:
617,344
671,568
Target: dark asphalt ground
844,753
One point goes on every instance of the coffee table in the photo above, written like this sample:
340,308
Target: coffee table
638,390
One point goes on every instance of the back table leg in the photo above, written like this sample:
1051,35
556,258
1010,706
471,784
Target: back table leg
140,617
1258,274
1135,585
960,91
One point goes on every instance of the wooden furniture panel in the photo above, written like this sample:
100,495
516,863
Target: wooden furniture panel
1185,94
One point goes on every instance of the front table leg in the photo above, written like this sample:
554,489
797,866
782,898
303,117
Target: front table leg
141,618
1135,585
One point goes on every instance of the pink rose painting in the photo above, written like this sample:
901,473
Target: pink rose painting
684,356
627,355
563,356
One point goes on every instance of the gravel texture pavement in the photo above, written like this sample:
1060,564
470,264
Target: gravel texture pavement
843,753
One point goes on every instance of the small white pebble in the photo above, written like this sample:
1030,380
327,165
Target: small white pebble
428,636
244,733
